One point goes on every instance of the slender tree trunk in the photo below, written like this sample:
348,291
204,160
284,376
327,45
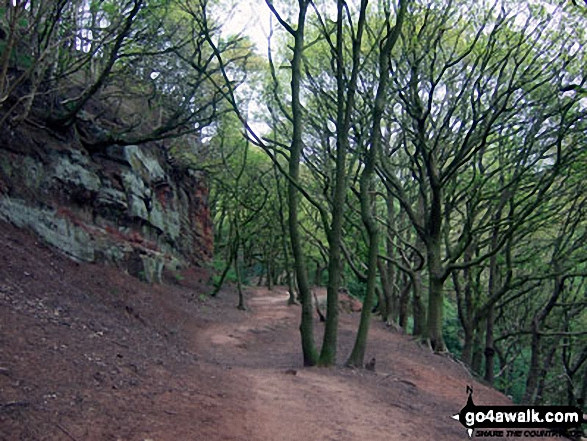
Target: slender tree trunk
489,350
343,118
465,306
284,243
542,380
290,286
269,267
318,275
465,315
237,268
220,226
230,252
307,322
387,303
367,186
357,356
492,288
534,368
220,282
419,310
384,292
435,297
334,234
537,322
478,344
404,300
418,307
467,352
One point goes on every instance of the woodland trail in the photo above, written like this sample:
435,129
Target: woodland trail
411,395
292,403
90,353
289,402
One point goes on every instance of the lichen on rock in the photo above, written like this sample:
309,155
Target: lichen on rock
127,206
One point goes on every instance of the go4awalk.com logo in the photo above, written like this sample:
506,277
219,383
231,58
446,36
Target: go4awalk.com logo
520,421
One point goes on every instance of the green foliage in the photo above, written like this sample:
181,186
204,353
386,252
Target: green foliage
218,265
110,8
18,58
513,380
356,288
452,330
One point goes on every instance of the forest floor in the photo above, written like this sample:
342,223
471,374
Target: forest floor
90,353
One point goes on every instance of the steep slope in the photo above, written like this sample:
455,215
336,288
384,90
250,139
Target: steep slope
90,353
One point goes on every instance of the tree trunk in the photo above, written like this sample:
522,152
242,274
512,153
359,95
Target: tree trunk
357,356
387,270
419,310
310,354
465,306
384,292
537,322
477,357
435,297
284,243
237,268
542,381
230,248
467,352
489,350
270,271
318,274
404,300
343,117
492,288
418,307
367,194
534,367
291,288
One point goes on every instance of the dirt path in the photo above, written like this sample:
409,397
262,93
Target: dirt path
288,402
411,396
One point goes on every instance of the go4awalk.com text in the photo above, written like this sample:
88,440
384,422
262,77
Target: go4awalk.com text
520,421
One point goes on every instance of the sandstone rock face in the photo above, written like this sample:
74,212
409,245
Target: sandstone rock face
127,206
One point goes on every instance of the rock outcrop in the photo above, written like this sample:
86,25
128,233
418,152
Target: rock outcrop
126,205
